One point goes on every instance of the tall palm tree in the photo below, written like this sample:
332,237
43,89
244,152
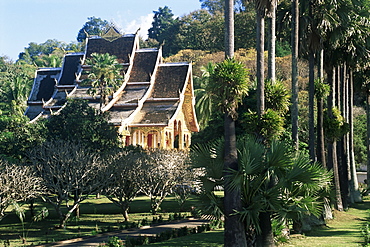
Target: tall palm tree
229,84
272,42
104,76
295,39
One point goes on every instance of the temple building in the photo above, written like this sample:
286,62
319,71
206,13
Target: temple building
153,107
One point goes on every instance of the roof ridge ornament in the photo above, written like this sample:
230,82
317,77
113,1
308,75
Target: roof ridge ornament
112,33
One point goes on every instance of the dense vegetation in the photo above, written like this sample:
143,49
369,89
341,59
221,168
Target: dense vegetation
275,135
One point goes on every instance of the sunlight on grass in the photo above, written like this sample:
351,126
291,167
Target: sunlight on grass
344,230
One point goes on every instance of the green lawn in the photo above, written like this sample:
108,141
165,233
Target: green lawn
101,214
209,239
344,230
96,215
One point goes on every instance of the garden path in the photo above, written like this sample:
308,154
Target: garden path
143,231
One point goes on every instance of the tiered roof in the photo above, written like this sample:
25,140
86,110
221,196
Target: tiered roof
152,93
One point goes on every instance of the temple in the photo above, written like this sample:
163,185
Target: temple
153,107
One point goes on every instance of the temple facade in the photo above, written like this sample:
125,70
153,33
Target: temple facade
153,107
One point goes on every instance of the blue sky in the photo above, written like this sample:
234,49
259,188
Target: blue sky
25,21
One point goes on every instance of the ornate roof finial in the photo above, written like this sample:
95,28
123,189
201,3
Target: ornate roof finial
112,33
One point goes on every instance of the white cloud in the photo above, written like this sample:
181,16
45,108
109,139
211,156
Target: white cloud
143,22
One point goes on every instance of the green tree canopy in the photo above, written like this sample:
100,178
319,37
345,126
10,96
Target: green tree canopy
79,122
94,26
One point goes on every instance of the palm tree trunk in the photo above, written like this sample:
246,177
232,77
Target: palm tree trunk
266,238
295,36
272,43
234,234
332,145
355,193
368,136
260,63
342,144
311,104
338,195
229,28
320,117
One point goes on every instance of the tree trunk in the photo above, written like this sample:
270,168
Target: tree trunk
124,209
295,36
342,144
234,234
229,29
260,63
368,137
266,238
320,152
355,192
311,104
272,43
338,194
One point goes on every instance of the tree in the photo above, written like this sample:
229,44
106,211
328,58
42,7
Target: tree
229,85
18,183
104,76
123,176
164,28
94,26
160,173
69,170
79,122
295,39
277,183
17,136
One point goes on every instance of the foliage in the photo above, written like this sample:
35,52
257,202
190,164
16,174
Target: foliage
160,173
43,54
94,26
164,28
18,183
272,179
78,122
123,174
359,139
104,76
335,125
229,85
68,170
17,136
270,125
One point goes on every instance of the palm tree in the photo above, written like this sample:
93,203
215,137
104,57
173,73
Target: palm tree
277,183
14,94
104,76
229,86
273,182
203,104
295,39
272,41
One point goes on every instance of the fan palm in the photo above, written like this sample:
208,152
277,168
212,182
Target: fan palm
274,182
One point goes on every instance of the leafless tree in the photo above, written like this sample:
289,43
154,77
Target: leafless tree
123,174
161,172
17,183
69,171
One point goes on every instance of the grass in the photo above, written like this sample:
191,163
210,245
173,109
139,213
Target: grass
96,215
100,214
209,239
344,230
